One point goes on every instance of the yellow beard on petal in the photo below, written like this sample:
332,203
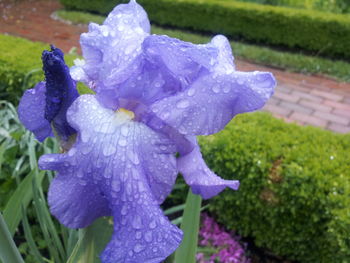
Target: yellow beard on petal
123,115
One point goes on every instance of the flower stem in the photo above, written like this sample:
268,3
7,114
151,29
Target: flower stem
186,253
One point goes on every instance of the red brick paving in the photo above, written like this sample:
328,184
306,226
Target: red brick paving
306,100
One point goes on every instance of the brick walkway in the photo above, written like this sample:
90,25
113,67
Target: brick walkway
307,100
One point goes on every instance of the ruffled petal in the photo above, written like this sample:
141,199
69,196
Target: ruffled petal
31,112
141,232
213,100
128,164
208,81
111,51
77,203
199,177
185,61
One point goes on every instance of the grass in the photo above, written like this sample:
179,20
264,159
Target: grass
289,61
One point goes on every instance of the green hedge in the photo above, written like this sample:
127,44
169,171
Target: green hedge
294,198
20,66
322,33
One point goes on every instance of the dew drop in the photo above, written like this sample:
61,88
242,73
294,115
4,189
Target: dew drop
137,222
138,248
182,104
226,89
216,88
153,224
125,130
148,236
122,142
191,92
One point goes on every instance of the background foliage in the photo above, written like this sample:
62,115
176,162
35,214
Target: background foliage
322,33
294,197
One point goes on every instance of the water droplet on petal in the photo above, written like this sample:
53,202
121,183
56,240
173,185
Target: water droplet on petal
137,222
191,92
122,142
153,224
216,88
182,104
125,130
138,248
148,236
226,89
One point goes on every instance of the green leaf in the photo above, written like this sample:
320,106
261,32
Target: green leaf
21,197
8,249
186,253
92,241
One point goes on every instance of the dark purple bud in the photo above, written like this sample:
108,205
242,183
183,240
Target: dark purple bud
60,91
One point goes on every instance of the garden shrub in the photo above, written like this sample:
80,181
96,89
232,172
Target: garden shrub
294,198
20,66
322,33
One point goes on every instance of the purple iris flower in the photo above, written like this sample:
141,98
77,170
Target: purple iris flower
154,95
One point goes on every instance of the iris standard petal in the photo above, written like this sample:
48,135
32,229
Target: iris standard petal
111,50
31,112
213,100
184,60
60,91
199,177
130,165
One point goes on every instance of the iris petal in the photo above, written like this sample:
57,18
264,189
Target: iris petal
31,112
111,50
124,167
212,101
199,177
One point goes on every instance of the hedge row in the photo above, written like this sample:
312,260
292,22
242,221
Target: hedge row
322,33
294,198
20,66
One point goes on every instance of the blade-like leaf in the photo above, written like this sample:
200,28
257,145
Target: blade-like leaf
8,249
92,241
21,197
29,238
186,253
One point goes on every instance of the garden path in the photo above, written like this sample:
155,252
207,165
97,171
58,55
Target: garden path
307,100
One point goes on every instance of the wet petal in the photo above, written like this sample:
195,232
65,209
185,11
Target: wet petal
141,232
186,61
199,177
31,112
213,100
130,165
111,51
76,203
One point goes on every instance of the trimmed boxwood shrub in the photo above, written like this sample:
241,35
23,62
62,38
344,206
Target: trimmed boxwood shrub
319,32
20,66
294,198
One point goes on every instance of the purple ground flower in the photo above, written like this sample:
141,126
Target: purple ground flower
229,250
154,94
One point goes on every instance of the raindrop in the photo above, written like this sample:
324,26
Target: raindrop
125,130
138,248
137,222
216,88
148,236
191,92
182,104
226,89
122,142
153,224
